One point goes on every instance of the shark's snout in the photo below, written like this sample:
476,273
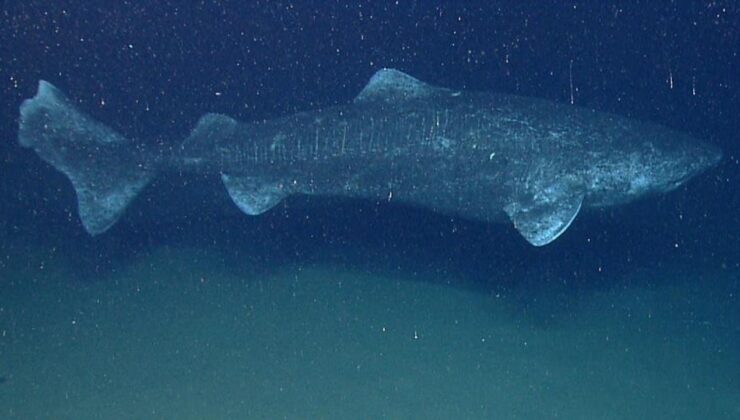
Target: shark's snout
702,157
714,154
696,158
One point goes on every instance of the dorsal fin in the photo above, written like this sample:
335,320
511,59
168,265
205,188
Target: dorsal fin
212,129
393,85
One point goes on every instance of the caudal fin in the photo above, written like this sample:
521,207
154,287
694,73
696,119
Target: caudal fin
104,167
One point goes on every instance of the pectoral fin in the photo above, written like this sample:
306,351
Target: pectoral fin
543,216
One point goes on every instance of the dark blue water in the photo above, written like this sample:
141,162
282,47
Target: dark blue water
151,70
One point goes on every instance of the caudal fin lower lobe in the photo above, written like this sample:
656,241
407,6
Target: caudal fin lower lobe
103,166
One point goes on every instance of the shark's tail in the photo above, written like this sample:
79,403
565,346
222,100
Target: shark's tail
105,168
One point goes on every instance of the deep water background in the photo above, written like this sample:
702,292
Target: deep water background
151,69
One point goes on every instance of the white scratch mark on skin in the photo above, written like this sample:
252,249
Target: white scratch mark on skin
570,77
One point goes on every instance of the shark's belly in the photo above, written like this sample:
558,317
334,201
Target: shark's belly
448,189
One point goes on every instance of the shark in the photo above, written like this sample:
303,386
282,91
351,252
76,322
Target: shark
477,155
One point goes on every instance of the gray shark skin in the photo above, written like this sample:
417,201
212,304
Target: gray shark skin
478,155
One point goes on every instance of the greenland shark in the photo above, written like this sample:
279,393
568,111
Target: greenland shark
477,155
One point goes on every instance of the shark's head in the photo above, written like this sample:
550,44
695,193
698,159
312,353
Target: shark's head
659,161
677,159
